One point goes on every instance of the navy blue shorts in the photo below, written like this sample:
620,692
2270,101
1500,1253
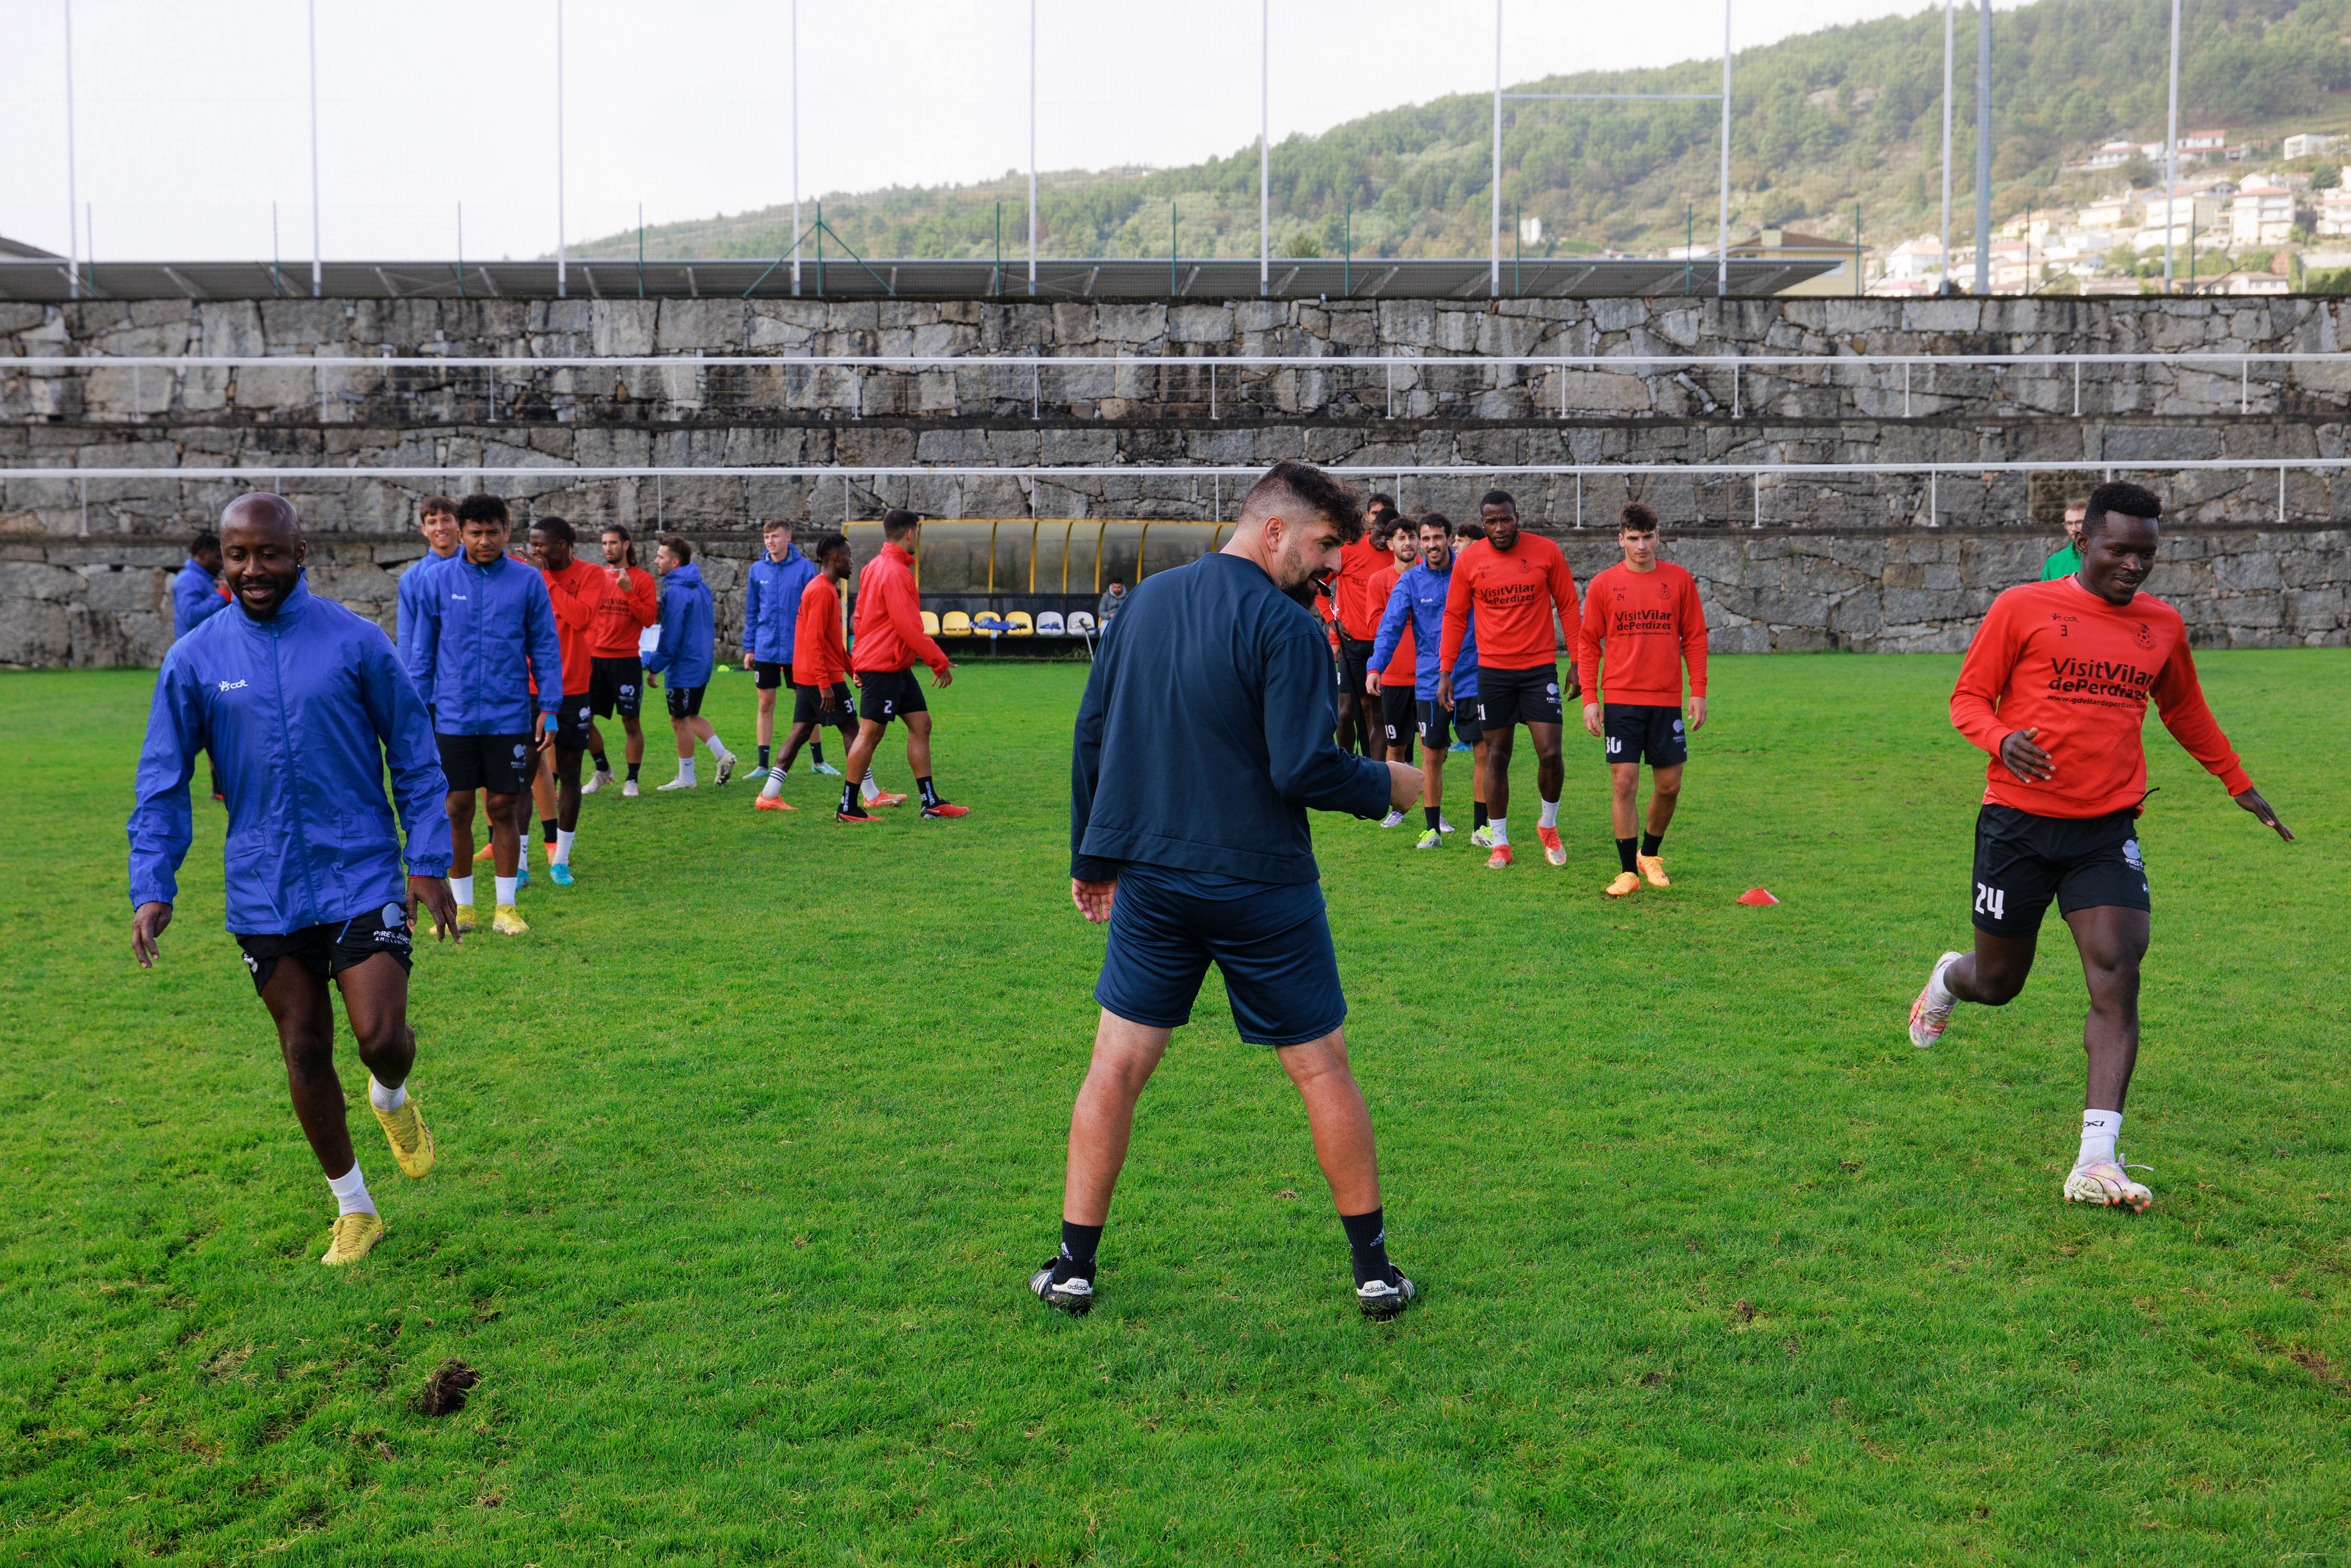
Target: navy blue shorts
1272,942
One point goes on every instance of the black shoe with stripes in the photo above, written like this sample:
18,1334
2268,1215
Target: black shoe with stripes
1074,1296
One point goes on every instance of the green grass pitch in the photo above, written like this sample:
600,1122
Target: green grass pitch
747,1154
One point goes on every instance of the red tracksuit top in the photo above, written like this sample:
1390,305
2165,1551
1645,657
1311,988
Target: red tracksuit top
1514,592
1350,589
575,592
2056,657
622,614
889,619
1651,623
818,657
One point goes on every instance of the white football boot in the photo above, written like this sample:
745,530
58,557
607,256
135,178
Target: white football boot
1929,1019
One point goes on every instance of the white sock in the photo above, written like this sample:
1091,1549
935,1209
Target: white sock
386,1100
2099,1130
461,888
351,1192
869,791
1938,994
1550,818
685,769
563,846
717,746
774,788
507,887
1501,830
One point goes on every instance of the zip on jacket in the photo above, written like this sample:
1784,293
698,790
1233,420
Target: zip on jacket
771,605
688,631
1418,600
485,635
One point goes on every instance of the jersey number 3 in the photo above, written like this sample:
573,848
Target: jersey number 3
1992,901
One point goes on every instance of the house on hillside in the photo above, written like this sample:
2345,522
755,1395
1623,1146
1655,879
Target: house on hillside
1787,245
2311,143
2334,214
2202,142
2261,213
1913,259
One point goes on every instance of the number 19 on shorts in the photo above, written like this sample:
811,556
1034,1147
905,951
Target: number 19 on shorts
1992,901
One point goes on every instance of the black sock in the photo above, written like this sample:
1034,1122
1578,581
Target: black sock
1477,813
632,771
1625,852
1649,843
930,795
601,765
815,750
547,826
1367,1238
1432,814
848,806
1077,1257
763,756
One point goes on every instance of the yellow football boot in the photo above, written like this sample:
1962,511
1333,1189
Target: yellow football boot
464,917
508,922
354,1236
1624,884
1654,868
411,1139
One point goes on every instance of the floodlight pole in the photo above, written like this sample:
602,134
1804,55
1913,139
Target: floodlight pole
561,291
1264,135
2171,156
317,251
1983,146
796,148
1722,218
1032,146
1494,228
1944,285
73,200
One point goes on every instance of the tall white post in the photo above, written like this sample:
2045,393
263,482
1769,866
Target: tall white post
318,250
1032,146
73,202
1983,146
1264,157
1947,145
1722,217
2171,154
561,258
796,148
1494,223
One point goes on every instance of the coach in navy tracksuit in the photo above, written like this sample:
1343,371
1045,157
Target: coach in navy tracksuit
305,708
1200,853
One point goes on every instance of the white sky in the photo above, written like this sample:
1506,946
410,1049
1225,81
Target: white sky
192,119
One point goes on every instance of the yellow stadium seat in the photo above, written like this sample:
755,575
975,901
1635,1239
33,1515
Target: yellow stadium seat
930,625
1021,625
955,623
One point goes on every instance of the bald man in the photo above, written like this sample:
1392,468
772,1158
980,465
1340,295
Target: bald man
316,890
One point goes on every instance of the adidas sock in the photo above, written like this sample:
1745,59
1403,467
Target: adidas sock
462,889
1501,831
1624,853
1077,1258
1430,814
1649,843
563,846
763,756
506,887
632,771
1477,815
930,795
386,1100
351,1192
2099,1131
1550,818
1367,1239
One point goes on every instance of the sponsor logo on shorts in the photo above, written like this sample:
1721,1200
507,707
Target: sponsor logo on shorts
1677,726
518,751
1552,689
582,714
628,691
394,915
231,686
251,962
2131,856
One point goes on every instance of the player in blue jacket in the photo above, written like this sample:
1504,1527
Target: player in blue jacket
1418,599
436,519
684,656
305,707
195,592
772,610
484,639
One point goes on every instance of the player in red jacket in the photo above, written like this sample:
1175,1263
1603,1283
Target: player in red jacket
1517,583
1645,614
2055,688
820,676
1355,614
889,639
1391,686
629,601
576,589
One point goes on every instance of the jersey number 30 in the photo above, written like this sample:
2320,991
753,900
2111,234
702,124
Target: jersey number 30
1992,901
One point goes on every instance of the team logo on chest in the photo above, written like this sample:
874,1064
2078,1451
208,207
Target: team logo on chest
2142,637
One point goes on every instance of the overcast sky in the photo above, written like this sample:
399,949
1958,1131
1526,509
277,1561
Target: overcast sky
192,119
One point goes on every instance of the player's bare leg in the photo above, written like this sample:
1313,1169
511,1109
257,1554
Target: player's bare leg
2112,940
1550,776
1102,1122
1339,1121
860,757
303,1014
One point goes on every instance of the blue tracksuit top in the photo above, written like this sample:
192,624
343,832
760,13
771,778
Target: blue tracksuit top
195,598
1214,654
483,635
304,714
406,607
1420,594
771,604
688,631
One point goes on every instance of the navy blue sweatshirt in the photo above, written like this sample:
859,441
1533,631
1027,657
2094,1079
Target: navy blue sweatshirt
1205,734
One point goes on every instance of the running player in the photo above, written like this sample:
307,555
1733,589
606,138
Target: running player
1646,612
688,650
1517,583
627,603
820,665
2075,661
1390,679
1200,853
484,636
305,707
889,639
771,604
1415,621
1358,622
576,591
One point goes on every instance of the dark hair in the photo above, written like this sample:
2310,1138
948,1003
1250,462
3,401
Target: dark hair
676,545
1435,520
1498,499
432,504
1636,518
482,508
555,525
897,520
628,541
827,544
1335,500
1380,498
1468,528
2120,496
206,540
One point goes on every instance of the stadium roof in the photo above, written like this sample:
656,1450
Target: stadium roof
45,280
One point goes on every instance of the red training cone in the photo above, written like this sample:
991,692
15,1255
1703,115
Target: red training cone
1757,896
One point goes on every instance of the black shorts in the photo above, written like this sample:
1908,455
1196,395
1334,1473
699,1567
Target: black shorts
1397,712
886,694
772,675
685,702
807,706
568,728
502,764
327,950
1505,697
1463,718
615,685
2023,861
1355,663
1636,732
1272,944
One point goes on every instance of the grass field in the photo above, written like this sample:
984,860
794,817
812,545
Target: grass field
747,1152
